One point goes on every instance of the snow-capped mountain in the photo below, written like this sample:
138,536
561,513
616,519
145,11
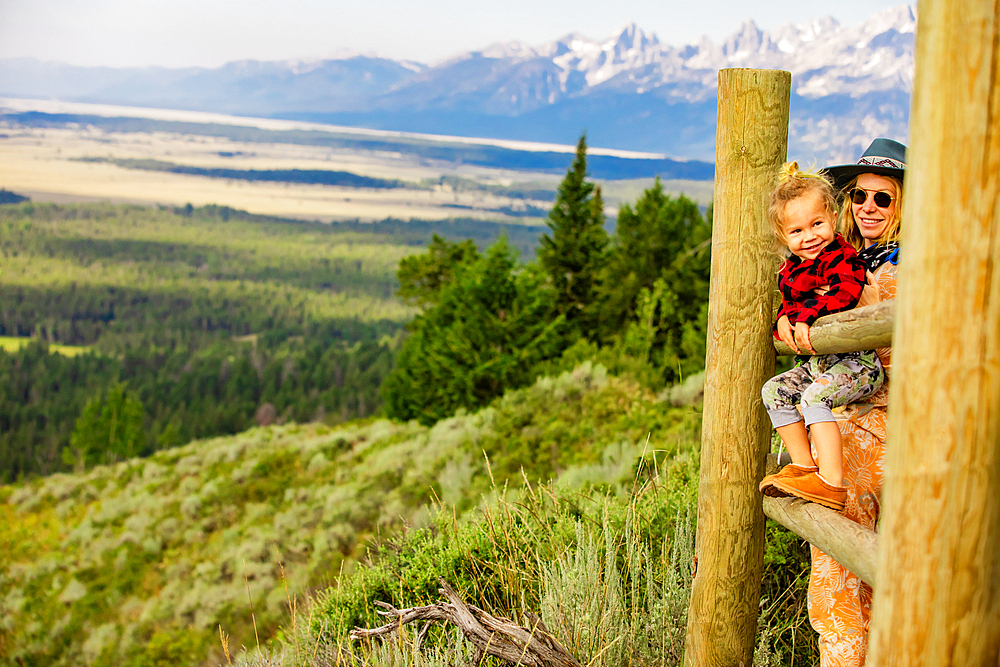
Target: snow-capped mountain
823,57
850,83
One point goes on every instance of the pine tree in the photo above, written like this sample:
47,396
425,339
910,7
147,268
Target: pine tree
657,276
109,429
422,277
574,254
491,326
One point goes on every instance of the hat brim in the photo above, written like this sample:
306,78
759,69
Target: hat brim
842,174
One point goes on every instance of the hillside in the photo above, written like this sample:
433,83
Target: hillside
132,563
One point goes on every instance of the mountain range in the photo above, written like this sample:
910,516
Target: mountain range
630,91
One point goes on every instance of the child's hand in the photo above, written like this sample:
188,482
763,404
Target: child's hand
802,336
786,333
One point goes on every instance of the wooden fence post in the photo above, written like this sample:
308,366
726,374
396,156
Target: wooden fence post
938,596
751,143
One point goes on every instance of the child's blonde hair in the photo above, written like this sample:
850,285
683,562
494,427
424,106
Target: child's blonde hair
792,184
849,226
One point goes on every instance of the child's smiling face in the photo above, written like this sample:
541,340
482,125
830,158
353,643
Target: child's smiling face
809,225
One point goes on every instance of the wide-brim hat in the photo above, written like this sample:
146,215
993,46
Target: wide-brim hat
884,157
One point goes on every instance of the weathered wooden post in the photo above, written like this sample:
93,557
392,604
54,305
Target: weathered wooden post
938,597
751,143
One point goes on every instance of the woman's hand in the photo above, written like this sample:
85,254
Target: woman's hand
869,295
786,333
802,337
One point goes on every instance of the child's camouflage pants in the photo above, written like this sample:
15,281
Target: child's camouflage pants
819,384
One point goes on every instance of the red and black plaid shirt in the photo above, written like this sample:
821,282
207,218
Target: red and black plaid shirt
838,266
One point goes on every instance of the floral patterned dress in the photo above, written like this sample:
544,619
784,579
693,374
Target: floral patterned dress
839,602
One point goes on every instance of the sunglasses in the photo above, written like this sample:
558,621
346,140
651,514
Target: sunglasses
882,199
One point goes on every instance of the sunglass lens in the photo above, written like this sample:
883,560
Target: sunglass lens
859,197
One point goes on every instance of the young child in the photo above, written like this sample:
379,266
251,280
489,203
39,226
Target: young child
823,275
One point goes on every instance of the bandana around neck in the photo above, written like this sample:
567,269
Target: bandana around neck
876,255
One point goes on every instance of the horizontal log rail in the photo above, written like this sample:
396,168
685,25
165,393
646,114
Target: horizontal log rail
851,544
864,328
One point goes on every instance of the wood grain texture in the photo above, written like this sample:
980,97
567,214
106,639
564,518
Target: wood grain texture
938,600
851,544
751,143
865,328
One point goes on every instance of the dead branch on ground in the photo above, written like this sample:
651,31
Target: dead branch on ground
499,637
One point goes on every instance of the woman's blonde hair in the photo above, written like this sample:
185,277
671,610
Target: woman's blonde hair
792,184
849,226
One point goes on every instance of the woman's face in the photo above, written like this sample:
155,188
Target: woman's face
873,220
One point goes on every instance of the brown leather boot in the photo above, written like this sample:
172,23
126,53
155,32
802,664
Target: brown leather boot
789,471
815,489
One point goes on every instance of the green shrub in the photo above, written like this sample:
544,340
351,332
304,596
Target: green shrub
171,648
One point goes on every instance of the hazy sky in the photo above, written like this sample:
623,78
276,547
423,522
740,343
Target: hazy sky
211,32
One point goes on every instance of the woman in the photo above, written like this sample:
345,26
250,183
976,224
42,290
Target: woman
839,602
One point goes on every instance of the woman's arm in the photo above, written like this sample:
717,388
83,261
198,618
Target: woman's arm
869,293
845,287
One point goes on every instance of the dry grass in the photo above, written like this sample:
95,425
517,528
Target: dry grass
39,163
612,598
627,191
